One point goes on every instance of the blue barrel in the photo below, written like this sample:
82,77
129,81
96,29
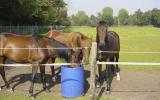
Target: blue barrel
72,81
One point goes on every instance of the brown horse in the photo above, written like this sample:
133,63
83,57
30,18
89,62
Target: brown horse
73,40
107,41
33,50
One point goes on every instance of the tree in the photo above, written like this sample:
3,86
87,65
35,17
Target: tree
115,22
139,17
147,18
93,21
31,11
80,19
106,15
155,17
131,20
123,16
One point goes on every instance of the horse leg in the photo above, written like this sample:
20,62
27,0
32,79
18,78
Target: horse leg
98,83
34,71
113,67
2,72
42,71
52,69
108,77
116,58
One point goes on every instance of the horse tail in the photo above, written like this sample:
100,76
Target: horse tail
2,45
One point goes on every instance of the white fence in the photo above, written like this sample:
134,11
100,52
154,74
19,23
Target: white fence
94,63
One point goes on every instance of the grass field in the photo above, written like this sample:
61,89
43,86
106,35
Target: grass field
132,38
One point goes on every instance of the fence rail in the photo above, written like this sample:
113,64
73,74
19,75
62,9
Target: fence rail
27,65
131,63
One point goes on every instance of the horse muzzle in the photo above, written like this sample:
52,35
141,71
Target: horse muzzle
101,44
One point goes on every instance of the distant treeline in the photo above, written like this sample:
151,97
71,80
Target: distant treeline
139,18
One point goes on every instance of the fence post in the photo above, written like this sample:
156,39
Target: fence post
93,70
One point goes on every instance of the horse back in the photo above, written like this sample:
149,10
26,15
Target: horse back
17,48
53,33
114,40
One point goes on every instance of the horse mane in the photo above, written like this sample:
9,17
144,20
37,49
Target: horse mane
53,33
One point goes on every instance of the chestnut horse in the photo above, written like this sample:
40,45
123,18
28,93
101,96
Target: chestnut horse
107,41
73,40
33,50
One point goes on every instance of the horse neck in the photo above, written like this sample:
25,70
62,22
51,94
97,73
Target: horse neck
61,52
98,38
63,39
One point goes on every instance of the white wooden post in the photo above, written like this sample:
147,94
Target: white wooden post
93,70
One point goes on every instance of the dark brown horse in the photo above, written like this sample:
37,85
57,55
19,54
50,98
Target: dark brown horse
107,41
73,40
33,50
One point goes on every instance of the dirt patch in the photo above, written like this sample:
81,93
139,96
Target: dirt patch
134,84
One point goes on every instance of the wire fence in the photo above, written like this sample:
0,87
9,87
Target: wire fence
28,29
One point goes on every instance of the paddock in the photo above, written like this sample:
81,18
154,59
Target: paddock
135,80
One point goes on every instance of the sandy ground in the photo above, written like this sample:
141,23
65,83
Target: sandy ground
134,84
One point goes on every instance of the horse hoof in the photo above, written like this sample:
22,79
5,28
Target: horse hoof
108,91
32,97
98,85
31,93
118,78
10,90
47,90
54,79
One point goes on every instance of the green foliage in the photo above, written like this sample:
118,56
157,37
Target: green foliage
27,12
115,21
139,17
80,19
93,21
123,16
106,15
155,17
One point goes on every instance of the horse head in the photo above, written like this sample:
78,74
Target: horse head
102,29
63,51
86,47
80,40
